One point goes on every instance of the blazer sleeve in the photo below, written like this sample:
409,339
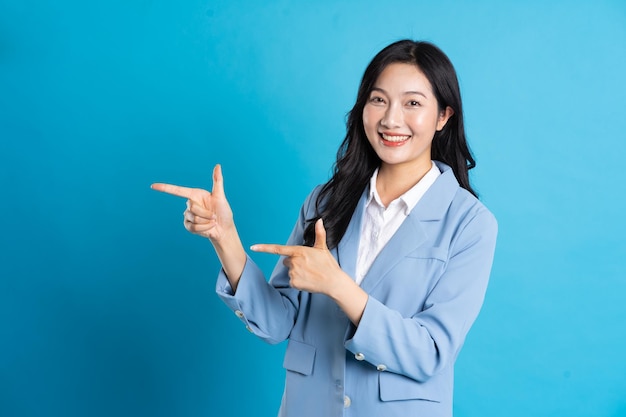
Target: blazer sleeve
425,344
267,309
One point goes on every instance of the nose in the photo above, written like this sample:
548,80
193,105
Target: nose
392,117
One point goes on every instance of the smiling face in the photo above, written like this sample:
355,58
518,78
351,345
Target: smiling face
401,117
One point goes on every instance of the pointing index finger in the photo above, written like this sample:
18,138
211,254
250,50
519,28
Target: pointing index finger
275,249
176,190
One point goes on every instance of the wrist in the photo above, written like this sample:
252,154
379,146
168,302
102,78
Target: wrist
227,240
350,297
344,289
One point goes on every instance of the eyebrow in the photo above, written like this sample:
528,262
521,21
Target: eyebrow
405,93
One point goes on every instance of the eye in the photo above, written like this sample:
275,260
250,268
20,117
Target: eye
414,103
376,100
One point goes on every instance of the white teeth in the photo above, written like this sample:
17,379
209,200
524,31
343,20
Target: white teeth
394,138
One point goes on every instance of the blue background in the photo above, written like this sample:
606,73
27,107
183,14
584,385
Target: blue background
107,305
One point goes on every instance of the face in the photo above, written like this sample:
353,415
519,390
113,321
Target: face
401,117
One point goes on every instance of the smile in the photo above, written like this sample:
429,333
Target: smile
394,140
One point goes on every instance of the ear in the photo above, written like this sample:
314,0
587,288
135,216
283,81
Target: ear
444,115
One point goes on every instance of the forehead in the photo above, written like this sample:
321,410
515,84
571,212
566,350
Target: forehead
403,77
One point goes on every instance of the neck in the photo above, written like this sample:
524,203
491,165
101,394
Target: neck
395,180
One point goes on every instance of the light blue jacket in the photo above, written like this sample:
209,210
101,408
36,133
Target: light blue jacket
425,290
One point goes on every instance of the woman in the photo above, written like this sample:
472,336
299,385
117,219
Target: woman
387,266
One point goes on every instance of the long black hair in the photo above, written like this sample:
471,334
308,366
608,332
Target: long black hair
356,160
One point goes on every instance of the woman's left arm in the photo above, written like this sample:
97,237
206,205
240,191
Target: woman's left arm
419,346
315,270
426,343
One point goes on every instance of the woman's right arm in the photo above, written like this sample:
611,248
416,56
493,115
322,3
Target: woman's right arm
208,214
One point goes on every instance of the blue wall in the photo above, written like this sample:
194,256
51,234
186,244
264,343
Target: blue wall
107,304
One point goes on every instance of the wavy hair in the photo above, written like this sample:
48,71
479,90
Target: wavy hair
356,160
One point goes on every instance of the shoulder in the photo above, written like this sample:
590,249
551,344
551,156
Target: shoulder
473,220
466,202
456,203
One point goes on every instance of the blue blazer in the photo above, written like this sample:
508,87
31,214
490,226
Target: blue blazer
425,289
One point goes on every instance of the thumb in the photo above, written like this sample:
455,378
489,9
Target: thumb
320,235
218,181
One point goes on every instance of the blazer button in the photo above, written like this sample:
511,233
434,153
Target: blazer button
381,368
346,401
359,356
338,386
239,314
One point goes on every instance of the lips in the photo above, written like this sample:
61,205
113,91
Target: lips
394,140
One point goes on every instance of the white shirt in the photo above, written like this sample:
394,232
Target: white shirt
379,223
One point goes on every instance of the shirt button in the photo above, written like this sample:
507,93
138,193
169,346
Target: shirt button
381,367
359,356
346,401
248,328
239,314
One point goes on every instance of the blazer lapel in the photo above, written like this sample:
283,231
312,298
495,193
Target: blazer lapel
411,234
407,238
348,248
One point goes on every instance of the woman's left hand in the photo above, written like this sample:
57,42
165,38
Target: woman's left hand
311,269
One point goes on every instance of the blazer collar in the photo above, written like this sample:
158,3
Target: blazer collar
432,207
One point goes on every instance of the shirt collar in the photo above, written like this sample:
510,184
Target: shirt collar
412,196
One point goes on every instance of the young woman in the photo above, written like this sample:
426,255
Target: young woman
387,266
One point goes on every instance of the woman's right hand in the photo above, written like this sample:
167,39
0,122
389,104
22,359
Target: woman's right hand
208,214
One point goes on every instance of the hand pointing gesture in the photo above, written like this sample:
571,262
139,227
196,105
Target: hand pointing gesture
311,269
315,270
208,214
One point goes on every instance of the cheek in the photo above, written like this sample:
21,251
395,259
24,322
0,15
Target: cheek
424,122
369,118
366,119
370,126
